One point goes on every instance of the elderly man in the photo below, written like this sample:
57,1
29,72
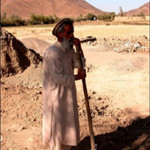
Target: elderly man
60,113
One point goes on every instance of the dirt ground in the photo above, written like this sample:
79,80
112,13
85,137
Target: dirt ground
117,83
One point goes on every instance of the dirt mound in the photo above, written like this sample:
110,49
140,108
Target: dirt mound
38,45
15,57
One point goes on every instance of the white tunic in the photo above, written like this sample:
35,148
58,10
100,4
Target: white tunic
60,113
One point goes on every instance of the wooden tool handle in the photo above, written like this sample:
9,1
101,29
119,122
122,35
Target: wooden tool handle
79,53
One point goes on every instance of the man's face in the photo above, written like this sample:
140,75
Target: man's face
68,36
68,33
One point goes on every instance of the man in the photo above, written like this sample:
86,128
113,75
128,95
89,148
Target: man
60,113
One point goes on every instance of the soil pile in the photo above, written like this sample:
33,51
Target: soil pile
15,57
38,45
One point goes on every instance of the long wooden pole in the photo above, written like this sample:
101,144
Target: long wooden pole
79,54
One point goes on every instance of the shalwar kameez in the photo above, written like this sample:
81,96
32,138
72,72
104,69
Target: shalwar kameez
60,113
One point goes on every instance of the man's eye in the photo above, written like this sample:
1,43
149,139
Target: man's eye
70,32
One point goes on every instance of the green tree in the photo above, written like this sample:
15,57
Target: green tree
40,19
13,20
121,11
78,19
56,19
16,20
141,14
90,16
107,17
113,15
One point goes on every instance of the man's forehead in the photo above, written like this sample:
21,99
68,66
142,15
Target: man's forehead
69,27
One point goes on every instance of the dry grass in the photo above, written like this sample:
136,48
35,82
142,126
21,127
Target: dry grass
99,31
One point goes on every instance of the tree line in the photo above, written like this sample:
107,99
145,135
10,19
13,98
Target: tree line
15,20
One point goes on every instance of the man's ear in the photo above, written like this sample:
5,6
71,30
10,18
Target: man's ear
60,35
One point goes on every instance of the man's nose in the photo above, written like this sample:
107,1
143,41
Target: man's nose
72,35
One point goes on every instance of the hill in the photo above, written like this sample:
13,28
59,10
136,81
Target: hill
144,9
63,8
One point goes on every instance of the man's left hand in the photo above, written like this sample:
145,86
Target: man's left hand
81,74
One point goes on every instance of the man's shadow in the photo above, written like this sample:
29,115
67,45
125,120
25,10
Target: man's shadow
133,137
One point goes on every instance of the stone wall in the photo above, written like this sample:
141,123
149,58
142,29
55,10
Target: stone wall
131,18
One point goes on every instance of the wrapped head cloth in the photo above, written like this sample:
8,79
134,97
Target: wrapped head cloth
61,23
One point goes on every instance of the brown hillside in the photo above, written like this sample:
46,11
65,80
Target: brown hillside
63,8
143,9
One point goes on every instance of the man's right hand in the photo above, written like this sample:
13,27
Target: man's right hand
76,42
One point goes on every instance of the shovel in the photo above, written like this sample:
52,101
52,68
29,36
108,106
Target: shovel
79,55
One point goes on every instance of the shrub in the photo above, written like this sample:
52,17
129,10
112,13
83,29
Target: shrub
40,19
78,19
16,20
90,16
107,17
13,20
56,19
141,15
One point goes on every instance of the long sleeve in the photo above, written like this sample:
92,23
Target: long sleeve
76,61
54,69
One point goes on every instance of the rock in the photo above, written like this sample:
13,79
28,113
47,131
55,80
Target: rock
99,98
2,82
136,46
93,92
145,36
88,39
89,97
107,24
25,114
6,88
33,119
39,92
7,130
22,128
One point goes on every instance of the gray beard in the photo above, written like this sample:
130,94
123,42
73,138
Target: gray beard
67,44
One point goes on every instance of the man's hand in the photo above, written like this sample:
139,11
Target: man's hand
81,74
76,42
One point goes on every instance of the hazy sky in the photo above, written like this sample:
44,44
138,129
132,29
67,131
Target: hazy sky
113,5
